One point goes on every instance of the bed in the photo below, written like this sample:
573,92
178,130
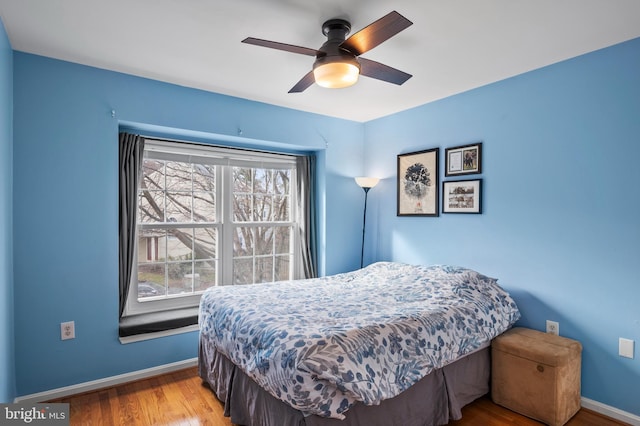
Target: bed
388,344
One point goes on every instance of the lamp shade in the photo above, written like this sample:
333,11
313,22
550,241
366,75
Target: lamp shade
367,182
336,75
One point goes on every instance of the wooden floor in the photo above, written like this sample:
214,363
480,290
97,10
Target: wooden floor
179,398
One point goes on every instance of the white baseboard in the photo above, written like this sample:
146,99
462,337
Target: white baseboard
609,411
106,382
587,403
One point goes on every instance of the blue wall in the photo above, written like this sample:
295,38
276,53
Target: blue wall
65,194
7,378
560,227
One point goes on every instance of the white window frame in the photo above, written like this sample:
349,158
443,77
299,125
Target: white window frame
226,159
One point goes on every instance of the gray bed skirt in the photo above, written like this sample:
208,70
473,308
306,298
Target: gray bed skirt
434,400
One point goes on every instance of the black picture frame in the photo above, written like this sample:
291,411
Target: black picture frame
462,196
463,160
418,183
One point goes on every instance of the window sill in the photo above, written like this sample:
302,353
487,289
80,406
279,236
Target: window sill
157,335
158,324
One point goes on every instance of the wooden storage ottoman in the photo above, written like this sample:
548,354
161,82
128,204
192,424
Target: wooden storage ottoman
536,374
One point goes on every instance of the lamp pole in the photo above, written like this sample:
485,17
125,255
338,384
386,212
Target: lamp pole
366,183
364,223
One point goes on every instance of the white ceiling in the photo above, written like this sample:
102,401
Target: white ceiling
452,46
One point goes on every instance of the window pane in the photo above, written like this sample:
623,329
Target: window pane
204,177
282,268
151,280
178,207
262,208
152,245
281,208
282,239
242,241
179,277
151,206
261,181
152,175
281,180
179,244
242,208
205,274
264,269
205,243
242,271
178,176
204,207
263,240
242,180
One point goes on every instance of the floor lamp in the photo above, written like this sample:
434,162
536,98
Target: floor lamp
366,183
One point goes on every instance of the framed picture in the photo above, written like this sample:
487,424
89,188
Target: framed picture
463,160
462,196
418,183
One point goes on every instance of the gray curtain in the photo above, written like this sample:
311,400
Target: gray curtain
306,187
131,150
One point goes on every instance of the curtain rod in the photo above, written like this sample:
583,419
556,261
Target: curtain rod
217,145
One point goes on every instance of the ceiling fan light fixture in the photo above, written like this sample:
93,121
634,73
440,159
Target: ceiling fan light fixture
338,63
336,75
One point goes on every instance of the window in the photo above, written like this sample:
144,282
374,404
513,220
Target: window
210,216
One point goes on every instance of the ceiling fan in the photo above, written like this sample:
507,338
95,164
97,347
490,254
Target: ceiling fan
338,63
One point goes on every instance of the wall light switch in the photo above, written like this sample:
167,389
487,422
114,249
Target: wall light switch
625,348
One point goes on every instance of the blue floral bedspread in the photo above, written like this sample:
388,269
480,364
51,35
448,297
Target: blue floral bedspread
322,344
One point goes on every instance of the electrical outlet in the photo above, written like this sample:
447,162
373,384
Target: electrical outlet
553,327
67,330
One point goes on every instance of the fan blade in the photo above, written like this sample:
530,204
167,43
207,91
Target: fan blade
376,33
382,72
304,83
281,46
